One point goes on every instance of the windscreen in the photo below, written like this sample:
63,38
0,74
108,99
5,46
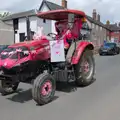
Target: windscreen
71,18
13,53
5,54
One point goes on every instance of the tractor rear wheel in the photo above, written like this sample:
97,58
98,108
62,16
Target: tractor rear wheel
85,69
43,90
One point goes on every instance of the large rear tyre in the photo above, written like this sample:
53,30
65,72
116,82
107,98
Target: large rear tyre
43,90
6,87
85,69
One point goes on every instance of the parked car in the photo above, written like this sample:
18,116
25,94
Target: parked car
110,48
3,47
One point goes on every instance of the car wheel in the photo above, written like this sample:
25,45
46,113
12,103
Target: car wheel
43,89
118,52
85,69
100,54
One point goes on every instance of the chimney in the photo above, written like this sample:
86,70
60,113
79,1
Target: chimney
94,14
119,24
115,24
64,3
98,17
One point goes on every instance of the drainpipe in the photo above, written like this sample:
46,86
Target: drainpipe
28,28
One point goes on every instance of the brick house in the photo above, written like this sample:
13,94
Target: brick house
98,29
114,31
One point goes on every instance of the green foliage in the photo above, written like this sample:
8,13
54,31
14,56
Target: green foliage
2,15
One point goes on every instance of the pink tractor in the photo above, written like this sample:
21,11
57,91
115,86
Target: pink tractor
60,57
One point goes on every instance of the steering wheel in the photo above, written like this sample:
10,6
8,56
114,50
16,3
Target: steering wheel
53,35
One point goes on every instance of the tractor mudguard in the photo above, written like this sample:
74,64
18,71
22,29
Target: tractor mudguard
80,47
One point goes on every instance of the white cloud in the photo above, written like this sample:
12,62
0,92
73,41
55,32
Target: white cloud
108,9
5,4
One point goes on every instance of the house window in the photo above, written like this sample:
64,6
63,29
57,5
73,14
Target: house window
85,26
22,37
116,38
44,20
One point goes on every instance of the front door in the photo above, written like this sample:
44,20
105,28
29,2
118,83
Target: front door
22,37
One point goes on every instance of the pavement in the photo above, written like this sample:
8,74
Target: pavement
99,101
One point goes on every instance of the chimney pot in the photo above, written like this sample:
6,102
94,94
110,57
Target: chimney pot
64,3
94,10
119,24
94,14
98,17
116,24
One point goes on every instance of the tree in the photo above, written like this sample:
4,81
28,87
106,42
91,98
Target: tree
4,14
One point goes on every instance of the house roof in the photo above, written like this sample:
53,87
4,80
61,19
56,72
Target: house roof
97,22
113,27
50,5
20,15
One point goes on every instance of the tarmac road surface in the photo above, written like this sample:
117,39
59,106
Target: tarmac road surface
99,101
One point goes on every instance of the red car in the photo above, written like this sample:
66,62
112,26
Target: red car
32,61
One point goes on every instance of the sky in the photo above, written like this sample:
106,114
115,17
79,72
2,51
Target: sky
108,9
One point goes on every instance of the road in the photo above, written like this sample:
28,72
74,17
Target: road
99,101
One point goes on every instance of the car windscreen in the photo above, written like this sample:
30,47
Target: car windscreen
110,45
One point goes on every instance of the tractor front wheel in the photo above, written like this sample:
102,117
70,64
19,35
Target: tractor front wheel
6,87
43,90
85,69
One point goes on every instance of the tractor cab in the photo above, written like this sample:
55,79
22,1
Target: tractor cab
68,25
66,21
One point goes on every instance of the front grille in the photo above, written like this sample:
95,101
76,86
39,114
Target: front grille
5,77
6,71
61,75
